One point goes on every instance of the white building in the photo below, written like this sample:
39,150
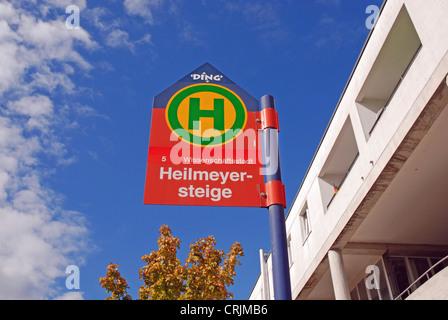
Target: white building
386,151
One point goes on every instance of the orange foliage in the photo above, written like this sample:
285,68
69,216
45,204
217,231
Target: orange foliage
206,274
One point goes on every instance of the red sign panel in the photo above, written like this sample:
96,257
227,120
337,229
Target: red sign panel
205,145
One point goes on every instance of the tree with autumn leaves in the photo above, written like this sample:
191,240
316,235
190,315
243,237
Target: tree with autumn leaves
206,274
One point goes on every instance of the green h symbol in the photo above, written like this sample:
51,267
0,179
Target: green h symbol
196,113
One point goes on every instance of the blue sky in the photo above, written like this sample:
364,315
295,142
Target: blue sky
75,112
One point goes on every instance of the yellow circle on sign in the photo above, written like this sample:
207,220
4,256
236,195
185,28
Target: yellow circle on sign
207,124
206,115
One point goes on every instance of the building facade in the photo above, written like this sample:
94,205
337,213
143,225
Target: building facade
370,220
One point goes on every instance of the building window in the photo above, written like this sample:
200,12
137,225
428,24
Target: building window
393,62
368,290
404,271
362,290
305,223
400,277
384,291
439,267
290,260
418,267
411,269
354,295
340,162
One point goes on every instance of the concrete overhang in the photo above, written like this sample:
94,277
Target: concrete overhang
406,208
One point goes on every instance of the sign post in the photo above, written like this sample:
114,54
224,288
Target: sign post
206,149
280,262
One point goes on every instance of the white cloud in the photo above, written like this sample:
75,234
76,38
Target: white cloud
147,8
120,39
99,18
54,39
38,105
189,34
36,110
142,8
112,28
38,237
37,44
75,295
81,4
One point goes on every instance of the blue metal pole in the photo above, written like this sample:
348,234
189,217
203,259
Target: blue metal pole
280,263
